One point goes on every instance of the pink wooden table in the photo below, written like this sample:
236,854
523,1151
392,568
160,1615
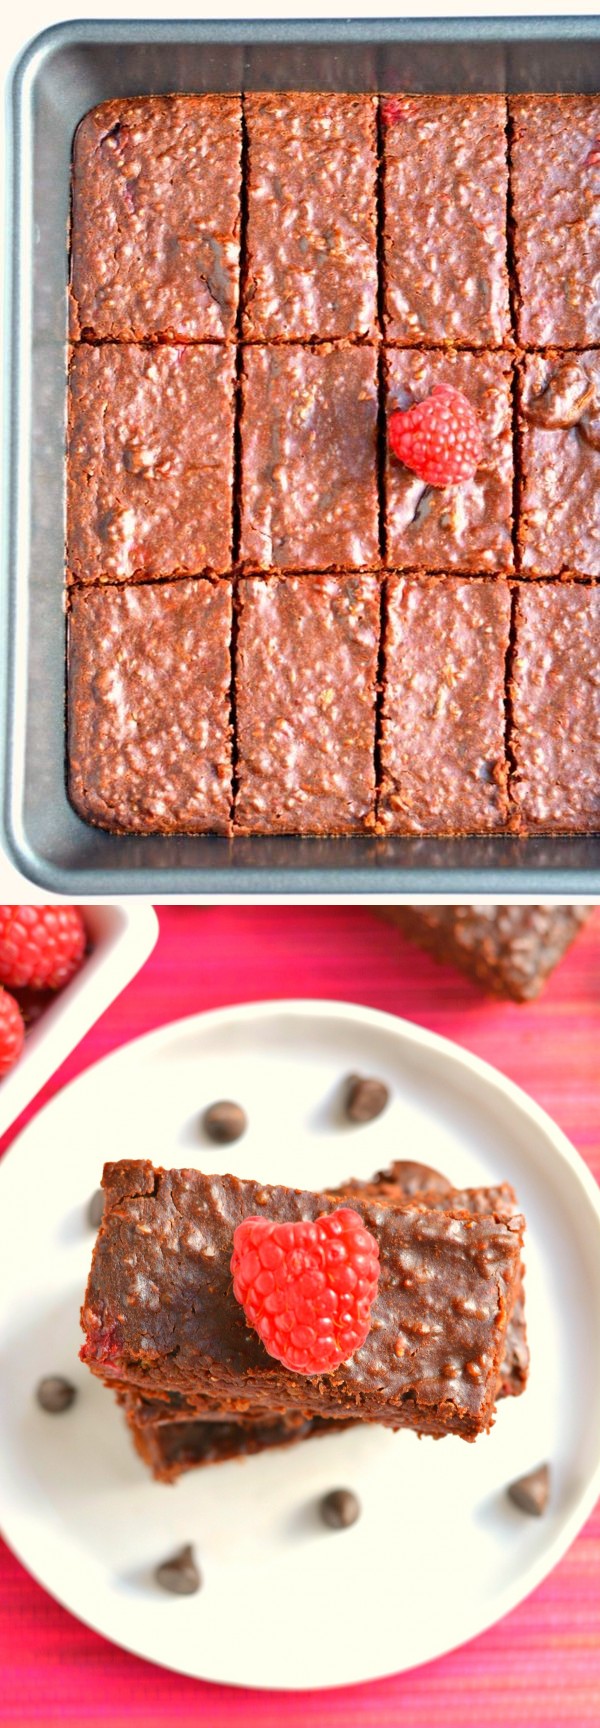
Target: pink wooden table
541,1665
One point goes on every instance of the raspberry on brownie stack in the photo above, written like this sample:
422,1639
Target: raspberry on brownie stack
277,1314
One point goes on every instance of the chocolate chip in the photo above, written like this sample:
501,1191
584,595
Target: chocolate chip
95,1210
531,1493
365,1098
180,1575
224,1122
413,1178
565,398
589,428
54,1394
340,1508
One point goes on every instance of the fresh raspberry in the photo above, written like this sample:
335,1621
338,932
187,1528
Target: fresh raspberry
439,439
307,1288
12,1032
41,946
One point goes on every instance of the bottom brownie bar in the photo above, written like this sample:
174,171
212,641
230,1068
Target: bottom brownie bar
170,1448
510,950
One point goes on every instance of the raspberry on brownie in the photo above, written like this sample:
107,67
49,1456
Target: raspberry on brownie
311,240
149,707
555,180
306,685
150,473
156,219
309,458
467,525
444,239
443,757
170,1319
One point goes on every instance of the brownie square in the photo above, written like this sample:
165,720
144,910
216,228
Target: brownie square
555,692
311,259
309,458
467,527
559,442
156,219
444,237
150,461
443,756
306,683
555,181
509,950
149,707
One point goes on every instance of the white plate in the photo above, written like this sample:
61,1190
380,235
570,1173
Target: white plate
122,936
439,1553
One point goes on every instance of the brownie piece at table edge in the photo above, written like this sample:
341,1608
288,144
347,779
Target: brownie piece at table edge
306,685
555,184
555,702
174,1447
467,527
558,423
510,950
444,768
311,238
150,461
155,233
445,264
309,458
149,728
140,1323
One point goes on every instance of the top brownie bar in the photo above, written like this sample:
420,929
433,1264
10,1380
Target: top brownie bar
445,182
311,238
156,219
159,1310
555,182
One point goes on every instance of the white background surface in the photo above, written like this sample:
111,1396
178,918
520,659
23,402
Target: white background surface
79,1507
25,19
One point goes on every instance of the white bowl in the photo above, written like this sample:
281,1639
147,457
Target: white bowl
121,936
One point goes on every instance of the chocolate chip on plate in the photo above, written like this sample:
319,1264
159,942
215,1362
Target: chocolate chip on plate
224,1121
365,1098
96,1209
180,1575
340,1508
55,1394
412,1178
531,1493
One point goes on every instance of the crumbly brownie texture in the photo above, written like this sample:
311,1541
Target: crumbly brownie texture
305,704
443,759
559,440
149,707
150,471
156,219
311,238
397,1183
445,184
174,1447
309,468
509,950
467,527
165,1235
555,179
555,694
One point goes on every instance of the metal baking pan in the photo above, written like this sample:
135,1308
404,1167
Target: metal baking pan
63,73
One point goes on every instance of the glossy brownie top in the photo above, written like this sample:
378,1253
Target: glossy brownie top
155,236
159,1302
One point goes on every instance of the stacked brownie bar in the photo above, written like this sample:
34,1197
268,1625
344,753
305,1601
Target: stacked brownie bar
274,624
165,1332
